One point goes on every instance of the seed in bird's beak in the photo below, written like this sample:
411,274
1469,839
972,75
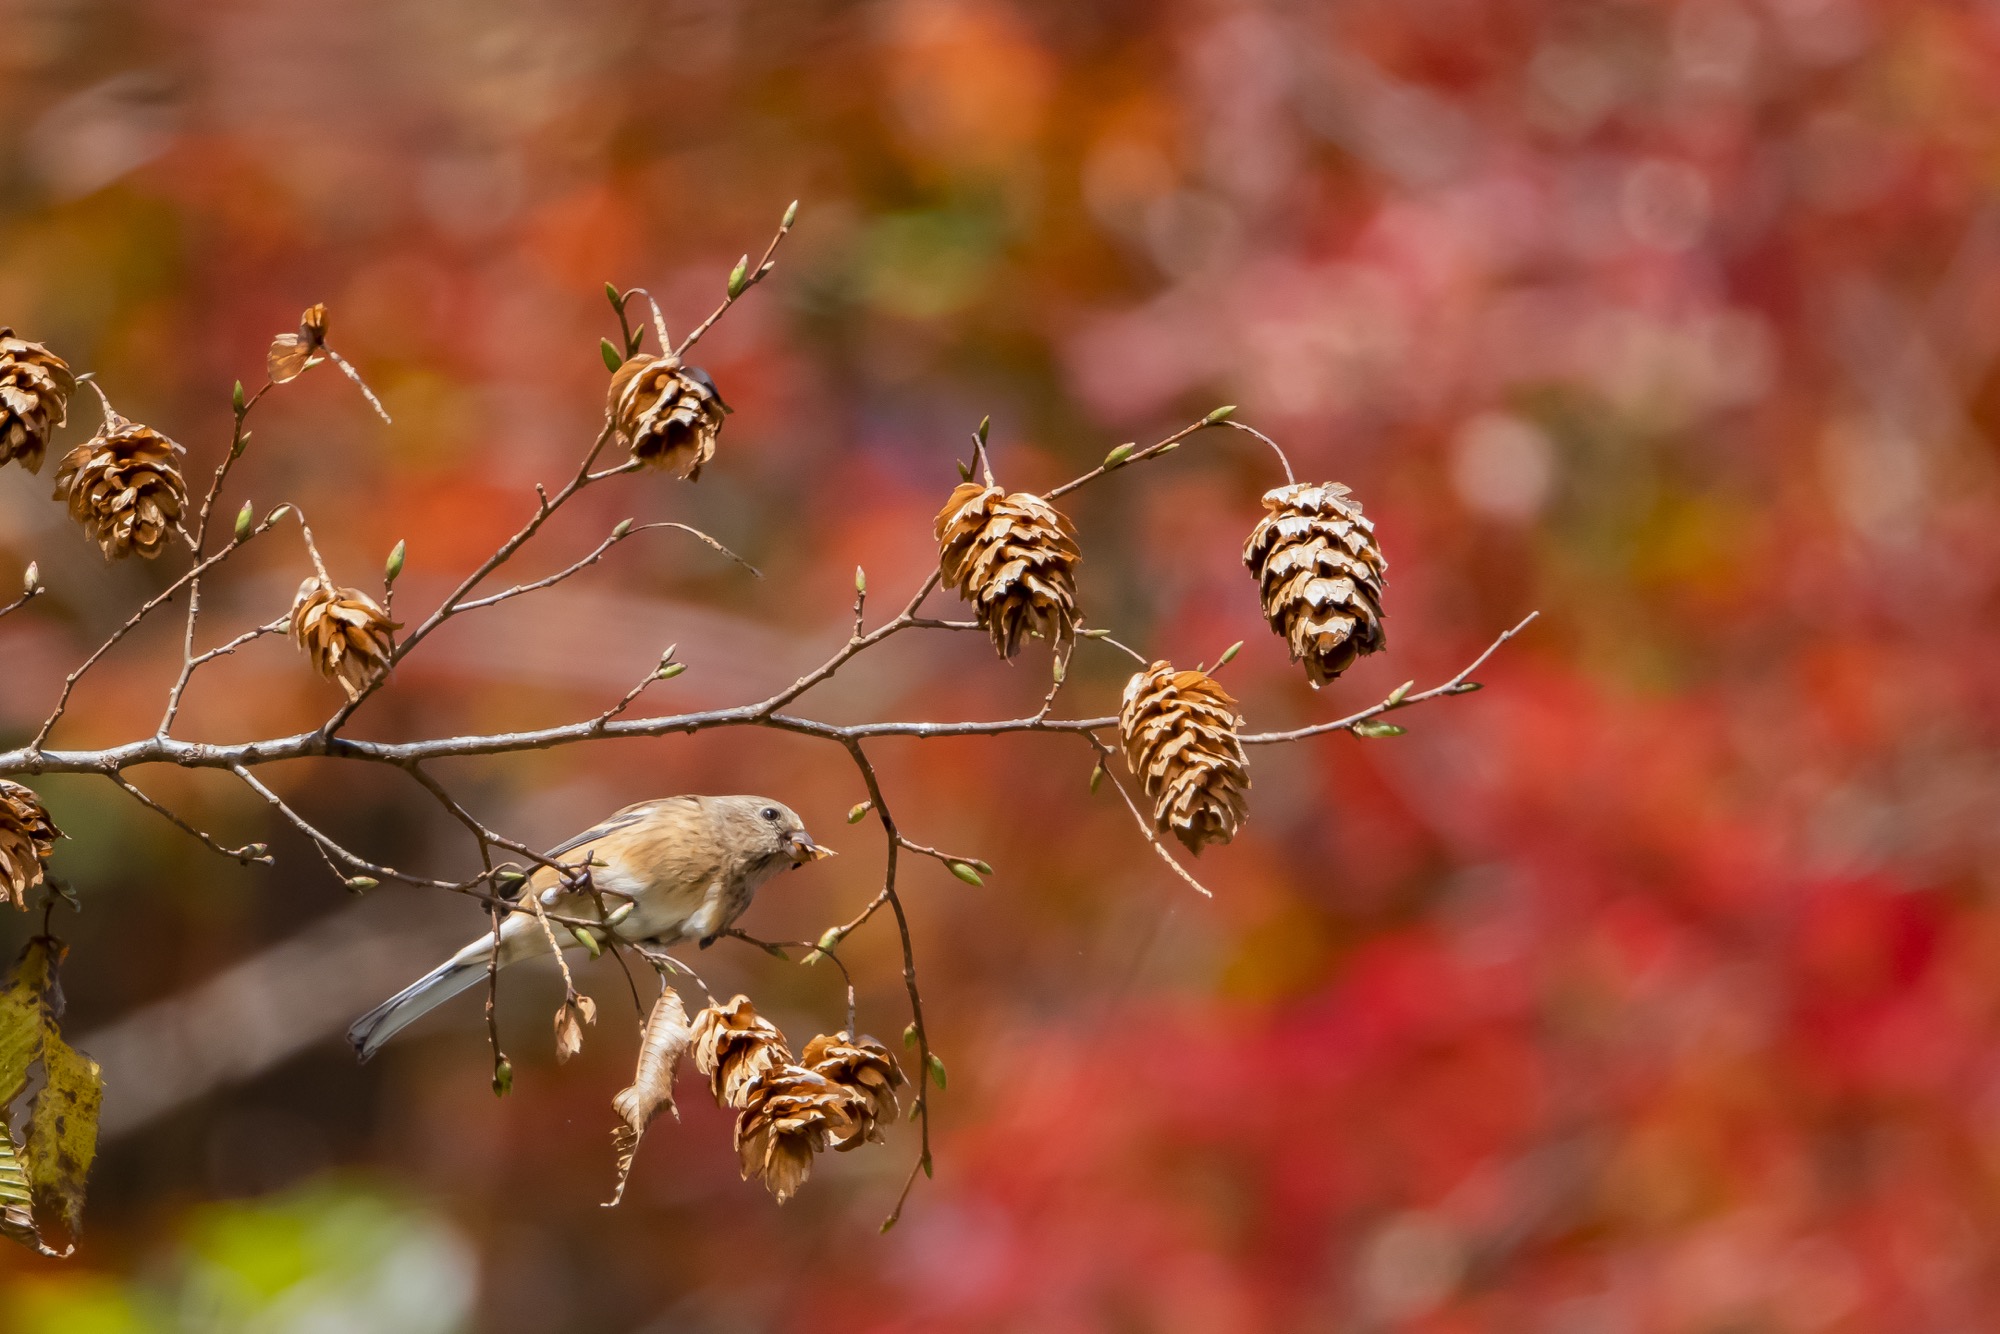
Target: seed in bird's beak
805,850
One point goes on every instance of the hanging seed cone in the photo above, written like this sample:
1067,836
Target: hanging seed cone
789,1114
864,1067
667,414
346,633
27,837
122,485
35,385
1013,557
1179,730
735,1047
1320,573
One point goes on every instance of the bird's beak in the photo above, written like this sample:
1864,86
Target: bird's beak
804,850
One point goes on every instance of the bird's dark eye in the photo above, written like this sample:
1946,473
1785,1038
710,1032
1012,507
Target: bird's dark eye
770,812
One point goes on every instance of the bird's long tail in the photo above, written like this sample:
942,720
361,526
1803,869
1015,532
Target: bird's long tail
458,973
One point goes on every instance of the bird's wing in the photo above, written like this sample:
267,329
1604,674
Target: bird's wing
631,815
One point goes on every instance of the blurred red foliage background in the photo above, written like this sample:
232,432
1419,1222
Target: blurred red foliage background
1651,989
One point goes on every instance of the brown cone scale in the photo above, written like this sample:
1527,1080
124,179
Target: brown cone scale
1320,573
1179,733
347,634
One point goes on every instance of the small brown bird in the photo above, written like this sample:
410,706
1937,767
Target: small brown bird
688,865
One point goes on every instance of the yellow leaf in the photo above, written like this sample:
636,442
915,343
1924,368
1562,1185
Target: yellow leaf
62,1134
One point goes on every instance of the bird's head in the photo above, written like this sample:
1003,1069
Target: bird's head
770,832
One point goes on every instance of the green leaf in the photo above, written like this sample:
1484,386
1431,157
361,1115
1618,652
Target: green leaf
609,351
965,873
20,1039
937,1070
964,471
394,568
985,425
62,1134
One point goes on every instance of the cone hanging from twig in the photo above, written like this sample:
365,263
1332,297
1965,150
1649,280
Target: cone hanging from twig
734,1046
1320,573
667,414
789,1114
1179,731
27,837
35,385
347,634
1014,558
124,487
866,1068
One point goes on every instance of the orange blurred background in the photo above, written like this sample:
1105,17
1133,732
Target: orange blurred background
1650,989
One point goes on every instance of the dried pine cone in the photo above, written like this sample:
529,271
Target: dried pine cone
122,485
1179,730
35,385
788,1115
667,414
865,1067
1320,571
346,633
735,1047
27,837
1013,557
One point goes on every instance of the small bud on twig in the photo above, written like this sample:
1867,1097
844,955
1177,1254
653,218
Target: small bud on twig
1464,688
670,671
31,578
624,527
739,277
236,399
1396,695
611,295
791,216
361,884
1229,654
910,1034
964,471
587,940
244,518
965,872
860,580
830,939
937,1070
1096,776
1221,414
612,361
1120,454
620,913
277,514
985,425
1373,730
394,568
858,810
503,1077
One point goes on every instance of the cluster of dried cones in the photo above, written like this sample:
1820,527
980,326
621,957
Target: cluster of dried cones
836,1096
27,837
1013,557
